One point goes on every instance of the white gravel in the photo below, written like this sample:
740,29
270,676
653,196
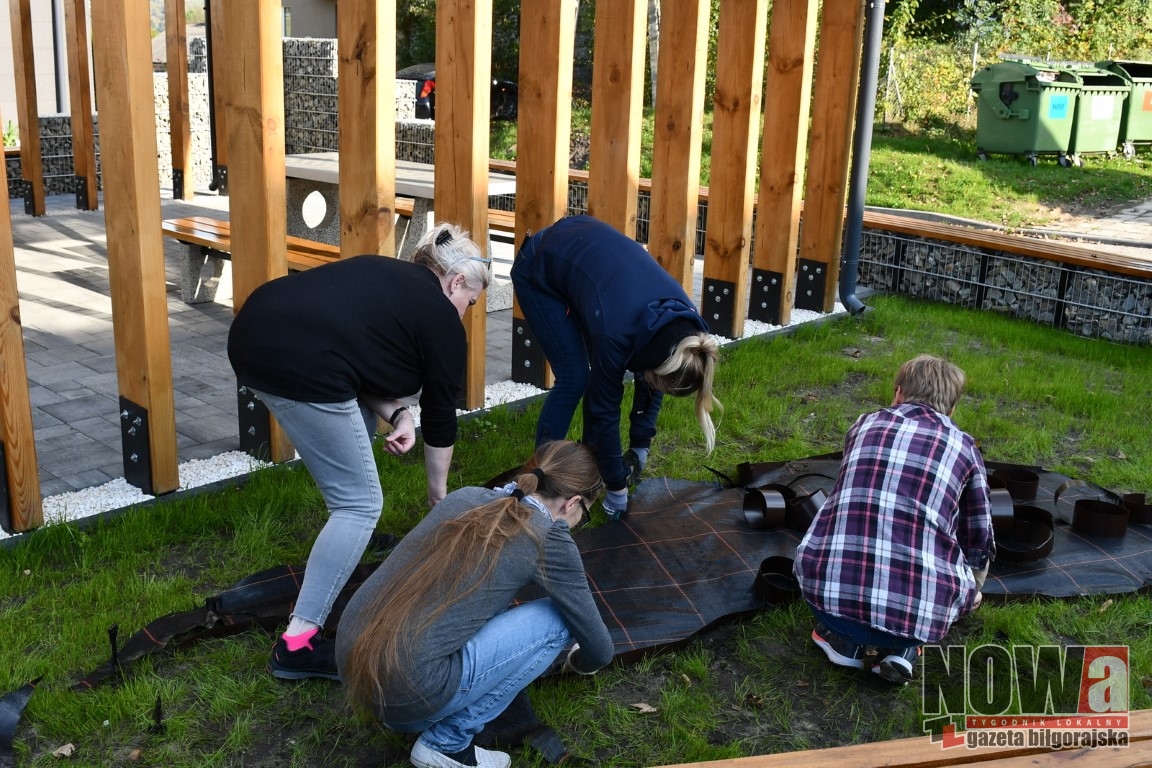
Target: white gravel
118,494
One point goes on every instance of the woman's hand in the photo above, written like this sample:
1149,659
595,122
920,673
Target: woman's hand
403,435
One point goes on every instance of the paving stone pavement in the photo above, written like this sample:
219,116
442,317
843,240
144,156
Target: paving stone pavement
66,311
62,276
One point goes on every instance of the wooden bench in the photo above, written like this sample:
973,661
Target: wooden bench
920,752
209,243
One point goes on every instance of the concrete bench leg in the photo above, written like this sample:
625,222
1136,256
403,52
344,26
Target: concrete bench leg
195,286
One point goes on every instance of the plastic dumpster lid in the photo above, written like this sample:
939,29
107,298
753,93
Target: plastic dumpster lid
1132,70
1093,76
1011,70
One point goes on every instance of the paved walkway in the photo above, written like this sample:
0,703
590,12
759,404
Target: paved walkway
62,275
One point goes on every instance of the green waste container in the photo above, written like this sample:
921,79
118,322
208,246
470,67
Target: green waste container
1136,124
1024,109
1099,110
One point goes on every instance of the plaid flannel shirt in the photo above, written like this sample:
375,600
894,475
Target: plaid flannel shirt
905,525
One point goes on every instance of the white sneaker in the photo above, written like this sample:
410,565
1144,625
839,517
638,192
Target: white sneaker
424,756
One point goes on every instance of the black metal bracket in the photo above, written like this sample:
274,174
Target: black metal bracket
177,184
528,361
134,437
767,295
25,188
219,183
255,425
718,306
810,284
5,499
80,185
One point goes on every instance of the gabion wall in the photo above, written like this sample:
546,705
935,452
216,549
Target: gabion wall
1088,302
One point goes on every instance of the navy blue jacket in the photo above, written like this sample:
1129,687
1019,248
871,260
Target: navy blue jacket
621,297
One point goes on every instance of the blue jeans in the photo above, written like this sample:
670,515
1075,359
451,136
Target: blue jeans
559,336
860,634
335,442
509,652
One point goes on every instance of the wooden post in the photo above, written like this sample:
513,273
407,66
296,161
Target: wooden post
676,146
80,100
543,137
735,129
788,93
366,43
829,161
218,54
20,508
135,252
617,111
27,109
179,110
463,97
254,68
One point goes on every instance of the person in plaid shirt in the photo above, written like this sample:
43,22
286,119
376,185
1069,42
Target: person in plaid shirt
900,549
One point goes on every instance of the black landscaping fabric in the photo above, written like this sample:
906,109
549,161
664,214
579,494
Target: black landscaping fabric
684,557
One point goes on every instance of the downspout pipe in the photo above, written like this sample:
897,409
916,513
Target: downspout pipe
60,57
861,157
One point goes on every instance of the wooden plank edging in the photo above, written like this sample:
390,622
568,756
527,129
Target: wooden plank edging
920,752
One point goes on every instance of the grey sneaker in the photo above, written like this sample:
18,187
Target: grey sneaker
840,650
896,664
424,756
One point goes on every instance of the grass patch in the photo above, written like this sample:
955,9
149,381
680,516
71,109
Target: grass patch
1035,395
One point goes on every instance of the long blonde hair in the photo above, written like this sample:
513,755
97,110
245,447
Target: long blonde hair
690,368
451,564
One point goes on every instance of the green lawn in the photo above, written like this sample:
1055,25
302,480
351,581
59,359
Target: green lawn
1036,396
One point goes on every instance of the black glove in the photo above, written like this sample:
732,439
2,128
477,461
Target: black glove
635,459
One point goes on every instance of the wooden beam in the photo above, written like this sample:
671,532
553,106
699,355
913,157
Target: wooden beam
123,58
253,65
27,109
678,128
366,47
735,131
830,139
20,509
922,752
218,83
791,51
463,97
617,112
543,138
179,109
80,100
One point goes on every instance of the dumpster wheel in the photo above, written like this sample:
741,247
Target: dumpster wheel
1129,150
1065,161
1033,160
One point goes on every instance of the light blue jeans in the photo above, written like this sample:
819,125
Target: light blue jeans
509,652
335,442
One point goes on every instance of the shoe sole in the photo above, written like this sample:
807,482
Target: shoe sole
838,659
289,674
892,672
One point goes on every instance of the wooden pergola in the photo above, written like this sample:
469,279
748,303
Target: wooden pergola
804,155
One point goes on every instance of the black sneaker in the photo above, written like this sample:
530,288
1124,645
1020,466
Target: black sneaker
840,650
319,660
896,664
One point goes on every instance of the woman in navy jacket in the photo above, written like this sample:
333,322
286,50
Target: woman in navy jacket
600,306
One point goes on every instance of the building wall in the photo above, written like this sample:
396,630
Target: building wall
43,51
311,18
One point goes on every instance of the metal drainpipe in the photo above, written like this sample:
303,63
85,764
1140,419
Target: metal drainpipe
861,157
60,55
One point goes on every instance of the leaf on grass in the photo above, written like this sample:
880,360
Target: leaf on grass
643,708
1105,606
852,351
687,680
65,751
754,701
